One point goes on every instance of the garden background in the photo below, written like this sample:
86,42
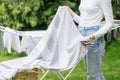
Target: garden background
37,15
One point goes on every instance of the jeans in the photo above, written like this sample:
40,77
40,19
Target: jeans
93,60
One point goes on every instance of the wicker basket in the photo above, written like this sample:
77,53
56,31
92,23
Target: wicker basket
27,75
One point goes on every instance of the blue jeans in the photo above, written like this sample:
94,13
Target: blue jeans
93,60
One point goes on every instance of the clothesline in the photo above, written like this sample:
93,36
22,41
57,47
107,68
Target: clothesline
9,30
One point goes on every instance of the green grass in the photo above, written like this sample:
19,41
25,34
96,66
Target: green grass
111,64
4,55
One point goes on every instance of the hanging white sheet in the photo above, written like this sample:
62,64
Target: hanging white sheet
11,40
30,40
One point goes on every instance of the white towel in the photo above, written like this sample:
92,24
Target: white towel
11,40
60,48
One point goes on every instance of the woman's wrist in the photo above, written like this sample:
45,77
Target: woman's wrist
92,37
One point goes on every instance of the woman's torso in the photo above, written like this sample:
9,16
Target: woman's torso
91,13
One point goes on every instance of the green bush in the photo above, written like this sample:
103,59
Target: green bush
29,14
116,8
20,13
37,14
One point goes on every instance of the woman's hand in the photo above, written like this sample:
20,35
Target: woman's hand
70,11
92,37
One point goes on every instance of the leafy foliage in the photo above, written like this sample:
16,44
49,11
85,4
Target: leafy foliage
37,14
29,14
116,8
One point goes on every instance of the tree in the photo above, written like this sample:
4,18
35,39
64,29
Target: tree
29,14
116,8
37,14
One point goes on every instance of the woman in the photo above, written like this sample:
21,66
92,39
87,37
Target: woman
91,15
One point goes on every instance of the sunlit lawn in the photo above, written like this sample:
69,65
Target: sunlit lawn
111,64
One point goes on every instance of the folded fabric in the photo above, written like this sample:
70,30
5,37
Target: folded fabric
59,49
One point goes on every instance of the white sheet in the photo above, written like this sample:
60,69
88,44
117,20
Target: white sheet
11,40
59,49
30,40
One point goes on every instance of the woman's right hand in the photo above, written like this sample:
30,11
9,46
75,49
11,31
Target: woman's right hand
88,41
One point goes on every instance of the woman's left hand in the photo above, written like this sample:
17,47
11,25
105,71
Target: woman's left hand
92,37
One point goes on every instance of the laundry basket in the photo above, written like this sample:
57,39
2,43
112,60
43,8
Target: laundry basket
27,75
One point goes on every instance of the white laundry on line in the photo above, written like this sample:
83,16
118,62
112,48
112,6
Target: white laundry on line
28,43
11,40
59,49
28,40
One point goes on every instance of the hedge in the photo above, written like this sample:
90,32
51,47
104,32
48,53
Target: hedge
37,14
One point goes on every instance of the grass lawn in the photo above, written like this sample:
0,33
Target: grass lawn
111,64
